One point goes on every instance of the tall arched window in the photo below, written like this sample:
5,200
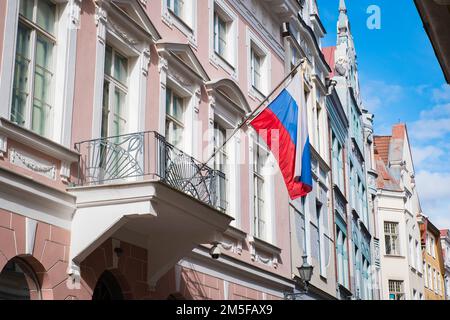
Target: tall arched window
18,281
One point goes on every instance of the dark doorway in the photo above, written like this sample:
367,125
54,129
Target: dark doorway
107,288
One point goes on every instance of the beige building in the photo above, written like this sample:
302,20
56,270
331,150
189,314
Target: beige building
399,212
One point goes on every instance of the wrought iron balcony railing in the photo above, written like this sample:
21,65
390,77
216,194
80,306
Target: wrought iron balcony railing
147,155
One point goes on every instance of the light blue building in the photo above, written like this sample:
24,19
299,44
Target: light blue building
351,160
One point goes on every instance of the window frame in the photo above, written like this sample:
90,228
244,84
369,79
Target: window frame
35,31
399,289
259,214
229,60
115,84
185,22
171,119
256,46
397,249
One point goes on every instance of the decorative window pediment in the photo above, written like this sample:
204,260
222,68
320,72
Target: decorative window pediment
230,91
183,55
129,14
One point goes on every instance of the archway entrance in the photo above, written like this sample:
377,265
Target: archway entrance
107,288
18,281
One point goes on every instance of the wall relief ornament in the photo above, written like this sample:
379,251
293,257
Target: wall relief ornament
40,166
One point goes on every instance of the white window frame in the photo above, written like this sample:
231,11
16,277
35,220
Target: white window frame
170,118
138,55
321,239
269,190
67,20
397,251
254,43
430,278
433,246
399,289
229,62
113,85
186,23
425,274
222,114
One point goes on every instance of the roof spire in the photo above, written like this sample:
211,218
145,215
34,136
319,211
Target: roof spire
342,6
343,24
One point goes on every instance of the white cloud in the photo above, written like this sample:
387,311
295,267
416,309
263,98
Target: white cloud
442,93
430,128
434,193
378,93
438,111
426,155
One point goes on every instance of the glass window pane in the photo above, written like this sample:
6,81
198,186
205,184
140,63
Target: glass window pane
120,68
44,53
43,76
108,60
174,133
168,99
177,108
41,114
105,109
21,76
119,116
26,8
46,12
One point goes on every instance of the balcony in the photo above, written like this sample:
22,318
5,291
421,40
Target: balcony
140,189
147,155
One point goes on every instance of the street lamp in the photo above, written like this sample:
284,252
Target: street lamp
305,272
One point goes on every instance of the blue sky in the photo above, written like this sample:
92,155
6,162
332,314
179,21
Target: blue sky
401,80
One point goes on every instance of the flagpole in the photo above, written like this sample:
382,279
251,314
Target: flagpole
247,117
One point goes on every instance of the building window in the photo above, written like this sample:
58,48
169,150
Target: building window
222,163
418,256
396,291
174,118
220,35
299,218
259,161
425,275
435,283
33,86
258,67
430,278
412,258
318,127
428,244
256,61
319,237
115,90
433,249
176,7
391,238
223,40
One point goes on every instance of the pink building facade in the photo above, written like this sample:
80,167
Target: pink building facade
110,109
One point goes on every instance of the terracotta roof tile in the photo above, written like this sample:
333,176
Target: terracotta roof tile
382,147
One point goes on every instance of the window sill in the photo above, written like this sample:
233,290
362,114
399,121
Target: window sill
264,252
394,256
218,61
171,19
256,94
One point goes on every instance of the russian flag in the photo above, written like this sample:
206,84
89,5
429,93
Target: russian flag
283,125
